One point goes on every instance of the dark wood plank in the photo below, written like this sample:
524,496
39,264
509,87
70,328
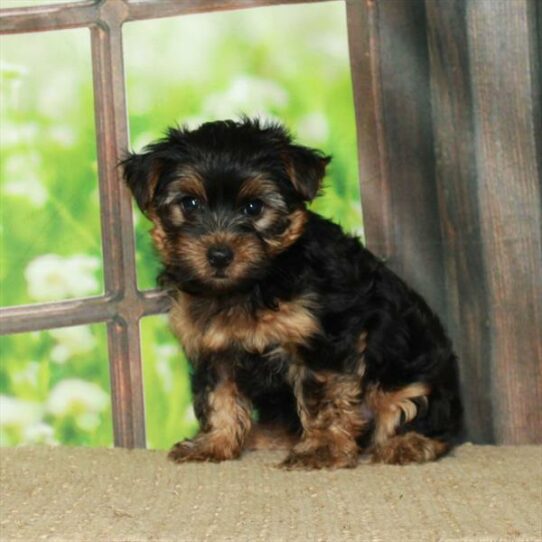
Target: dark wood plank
486,108
390,72
362,20
503,56
456,177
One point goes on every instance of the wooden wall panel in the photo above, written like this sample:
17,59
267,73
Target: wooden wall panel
460,217
502,38
390,73
485,61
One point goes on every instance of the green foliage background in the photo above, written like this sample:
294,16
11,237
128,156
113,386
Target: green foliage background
289,63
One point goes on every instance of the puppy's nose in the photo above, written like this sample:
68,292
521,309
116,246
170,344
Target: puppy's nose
219,256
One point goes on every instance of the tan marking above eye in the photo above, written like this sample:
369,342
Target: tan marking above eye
263,189
255,187
187,185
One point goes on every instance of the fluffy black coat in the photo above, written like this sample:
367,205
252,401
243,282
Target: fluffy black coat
373,362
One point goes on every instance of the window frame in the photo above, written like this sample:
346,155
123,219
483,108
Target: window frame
122,305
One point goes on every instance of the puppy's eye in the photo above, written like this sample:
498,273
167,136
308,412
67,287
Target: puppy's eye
253,208
190,203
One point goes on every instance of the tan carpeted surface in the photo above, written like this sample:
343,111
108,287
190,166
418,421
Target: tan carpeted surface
479,493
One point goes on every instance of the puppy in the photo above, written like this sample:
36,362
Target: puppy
297,335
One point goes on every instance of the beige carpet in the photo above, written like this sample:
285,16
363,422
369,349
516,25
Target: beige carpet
479,493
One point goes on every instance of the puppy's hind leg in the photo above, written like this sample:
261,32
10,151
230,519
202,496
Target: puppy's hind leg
408,448
397,438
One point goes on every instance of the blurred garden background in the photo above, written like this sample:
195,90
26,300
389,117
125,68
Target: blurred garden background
288,63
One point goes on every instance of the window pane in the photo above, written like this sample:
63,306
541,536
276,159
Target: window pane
54,388
288,62
168,406
50,245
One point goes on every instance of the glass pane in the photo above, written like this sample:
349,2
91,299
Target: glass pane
288,62
54,388
169,412
50,245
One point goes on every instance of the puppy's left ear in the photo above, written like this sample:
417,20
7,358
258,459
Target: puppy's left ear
141,175
307,169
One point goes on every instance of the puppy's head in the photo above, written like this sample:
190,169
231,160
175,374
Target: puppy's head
225,199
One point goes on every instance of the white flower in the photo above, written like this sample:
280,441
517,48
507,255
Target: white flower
12,71
251,95
164,354
17,412
11,76
39,433
166,351
76,397
88,421
23,180
332,45
29,375
29,188
52,276
192,122
63,135
176,65
143,139
313,128
59,94
16,133
70,342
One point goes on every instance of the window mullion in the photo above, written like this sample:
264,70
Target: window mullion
117,233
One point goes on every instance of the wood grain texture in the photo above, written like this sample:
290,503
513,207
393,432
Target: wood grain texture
390,73
44,17
118,244
486,111
503,55
362,20
460,217
150,9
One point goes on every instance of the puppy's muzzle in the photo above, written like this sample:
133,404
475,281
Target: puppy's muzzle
219,256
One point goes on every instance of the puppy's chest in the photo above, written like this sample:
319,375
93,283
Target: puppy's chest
210,329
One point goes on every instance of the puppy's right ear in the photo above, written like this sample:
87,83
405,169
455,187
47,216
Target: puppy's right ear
140,172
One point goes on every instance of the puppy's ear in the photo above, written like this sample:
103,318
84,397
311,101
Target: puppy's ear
140,172
306,169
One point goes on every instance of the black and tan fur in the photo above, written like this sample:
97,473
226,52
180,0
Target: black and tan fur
282,314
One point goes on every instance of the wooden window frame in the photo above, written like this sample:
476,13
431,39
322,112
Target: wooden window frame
122,305
447,102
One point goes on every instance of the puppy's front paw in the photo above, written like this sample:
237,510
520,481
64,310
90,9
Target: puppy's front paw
200,449
186,450
321,457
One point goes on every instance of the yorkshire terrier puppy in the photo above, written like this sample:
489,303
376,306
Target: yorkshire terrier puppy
298,336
